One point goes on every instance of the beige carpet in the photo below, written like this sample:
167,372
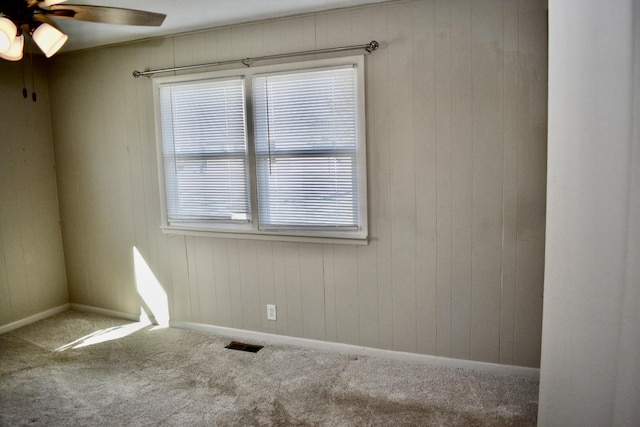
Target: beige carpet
125,373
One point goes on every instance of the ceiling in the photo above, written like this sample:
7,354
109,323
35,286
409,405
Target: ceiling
187,15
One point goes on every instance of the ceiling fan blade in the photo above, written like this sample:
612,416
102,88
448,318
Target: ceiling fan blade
48,3
41,17
108,15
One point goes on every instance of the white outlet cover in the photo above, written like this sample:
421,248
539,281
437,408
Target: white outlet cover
271,312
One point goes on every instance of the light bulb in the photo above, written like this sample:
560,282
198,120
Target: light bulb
49,39
15,51
8,31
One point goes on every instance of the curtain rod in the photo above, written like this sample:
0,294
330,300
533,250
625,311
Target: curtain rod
369,47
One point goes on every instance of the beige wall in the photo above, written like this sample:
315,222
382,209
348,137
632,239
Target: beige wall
32,273
456,109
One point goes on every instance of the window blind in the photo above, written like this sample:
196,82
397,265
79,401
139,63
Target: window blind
305,126
205,151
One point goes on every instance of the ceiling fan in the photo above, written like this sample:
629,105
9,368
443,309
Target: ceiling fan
32,17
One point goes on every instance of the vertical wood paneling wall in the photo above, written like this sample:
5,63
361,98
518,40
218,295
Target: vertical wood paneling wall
32,270
456,134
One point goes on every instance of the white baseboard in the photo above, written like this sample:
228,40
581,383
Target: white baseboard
447,362
107,312
31,319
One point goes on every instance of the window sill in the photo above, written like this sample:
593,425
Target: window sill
247,235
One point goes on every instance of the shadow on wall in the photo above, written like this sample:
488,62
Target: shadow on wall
151,292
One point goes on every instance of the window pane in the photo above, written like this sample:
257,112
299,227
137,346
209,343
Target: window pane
207,189
306,148
312,191
205,150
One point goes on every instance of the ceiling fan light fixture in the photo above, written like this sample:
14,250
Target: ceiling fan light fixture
49,39
8,32
15,51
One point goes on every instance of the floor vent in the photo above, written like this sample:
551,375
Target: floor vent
235,345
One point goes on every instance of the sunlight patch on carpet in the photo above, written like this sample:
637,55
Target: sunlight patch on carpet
103,335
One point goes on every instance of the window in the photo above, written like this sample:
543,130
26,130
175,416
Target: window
265,152
205,151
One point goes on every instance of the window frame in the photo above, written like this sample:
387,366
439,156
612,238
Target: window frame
251,230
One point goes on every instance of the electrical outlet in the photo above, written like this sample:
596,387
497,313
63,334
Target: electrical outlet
271,312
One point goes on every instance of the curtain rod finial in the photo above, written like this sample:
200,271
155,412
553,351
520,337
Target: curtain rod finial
373,45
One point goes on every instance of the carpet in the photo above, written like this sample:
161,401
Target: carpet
79,369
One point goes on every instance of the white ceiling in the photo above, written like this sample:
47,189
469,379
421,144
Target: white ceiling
185,16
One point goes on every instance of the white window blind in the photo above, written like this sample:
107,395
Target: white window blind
306,147
204,143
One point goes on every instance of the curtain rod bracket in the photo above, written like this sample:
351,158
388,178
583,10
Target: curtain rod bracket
373,45
369,47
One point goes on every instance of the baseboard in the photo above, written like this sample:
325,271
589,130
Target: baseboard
32,319
107,312
447,362
492,368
